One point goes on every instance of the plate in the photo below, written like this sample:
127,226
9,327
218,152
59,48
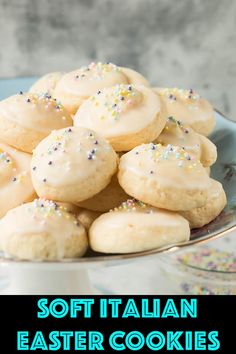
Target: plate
224,136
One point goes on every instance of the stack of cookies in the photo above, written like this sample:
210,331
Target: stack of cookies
98,158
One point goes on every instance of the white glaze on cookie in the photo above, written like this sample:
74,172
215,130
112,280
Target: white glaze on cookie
188,107
171,165
41,113
69,155
46,83
15,180
26,119
119,110
177,134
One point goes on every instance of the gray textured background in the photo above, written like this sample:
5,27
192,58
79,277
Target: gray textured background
186,43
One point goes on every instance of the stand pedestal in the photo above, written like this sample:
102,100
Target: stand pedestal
37,281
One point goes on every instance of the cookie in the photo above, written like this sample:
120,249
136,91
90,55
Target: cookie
76,86
15,180
208,170
46,83
72,165
137,227
41,230
87,217
25,119
69,207
110,197
188,107
176,133
164,176
216,201
126,115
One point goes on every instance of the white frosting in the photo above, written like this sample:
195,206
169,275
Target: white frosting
46,83
170,165
119,110
41,113
185,105
178,134
15,180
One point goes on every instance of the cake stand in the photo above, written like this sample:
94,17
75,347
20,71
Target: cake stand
70,276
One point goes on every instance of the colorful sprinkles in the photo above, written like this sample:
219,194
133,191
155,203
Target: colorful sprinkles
210,259
183,136
45,98
48,208
5,157
160,153
177,123
199,289
19,178
130,205
95,71
174,93
116,101
209,271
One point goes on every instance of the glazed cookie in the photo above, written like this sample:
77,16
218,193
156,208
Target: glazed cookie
25,119
176,133
76,86
164,176
137,227
216,201
41,230
188,107
72,165
110,197
87,217
126,115
46,83
15,180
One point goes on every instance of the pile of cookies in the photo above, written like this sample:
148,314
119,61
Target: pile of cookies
98,158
